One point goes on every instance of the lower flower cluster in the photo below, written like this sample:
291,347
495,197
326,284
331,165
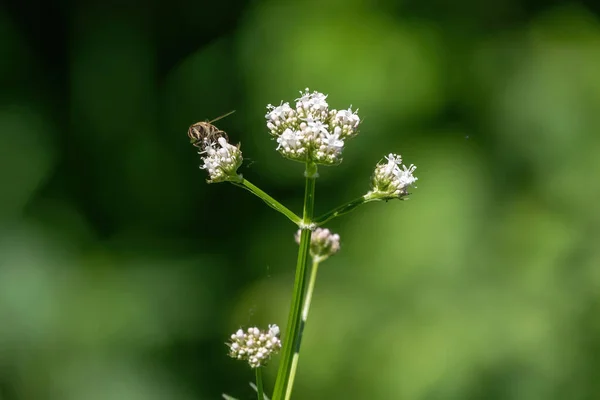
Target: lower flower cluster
323,243
254,345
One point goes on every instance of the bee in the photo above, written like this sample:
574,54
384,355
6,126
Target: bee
204,133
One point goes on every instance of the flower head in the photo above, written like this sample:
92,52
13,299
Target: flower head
311,131
221,160
254,345
323,243
389,180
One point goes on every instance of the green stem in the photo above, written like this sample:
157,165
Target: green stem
343,209
271,202
259,384
305,309
292,338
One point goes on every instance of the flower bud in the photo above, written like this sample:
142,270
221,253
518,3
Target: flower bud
323,243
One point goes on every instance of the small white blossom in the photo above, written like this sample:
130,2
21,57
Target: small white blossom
345,122
312,105
254,345
274,330
221,160
281,118
332,142
292,143
389,180
323,243
314,128
311,132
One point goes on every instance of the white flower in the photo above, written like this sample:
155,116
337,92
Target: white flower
291,144
255,346
221,160
389,180
312,105
314,128
274,330
332,141
347,122
311,132
280,118
393,161
405,175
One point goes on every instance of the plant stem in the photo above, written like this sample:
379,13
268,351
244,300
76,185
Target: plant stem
259,384
305,309
351,206
341,210
292,338
271,202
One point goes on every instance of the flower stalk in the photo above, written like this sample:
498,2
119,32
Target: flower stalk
283,383
270,201
341,210
305,309
323,244
260,393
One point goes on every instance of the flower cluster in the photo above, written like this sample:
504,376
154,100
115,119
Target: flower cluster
254,345
389,180
323,243
311,131
221,160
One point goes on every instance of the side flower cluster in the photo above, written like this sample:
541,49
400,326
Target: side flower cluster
221,160
311,131
323,243
254,345
389,180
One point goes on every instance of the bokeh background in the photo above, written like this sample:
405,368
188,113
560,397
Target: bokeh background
122,272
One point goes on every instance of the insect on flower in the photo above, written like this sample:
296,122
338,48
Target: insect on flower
203,134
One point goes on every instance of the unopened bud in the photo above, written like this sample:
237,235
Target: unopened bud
254,345
323,243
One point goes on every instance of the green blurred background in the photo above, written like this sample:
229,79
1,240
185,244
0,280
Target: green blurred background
122,272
